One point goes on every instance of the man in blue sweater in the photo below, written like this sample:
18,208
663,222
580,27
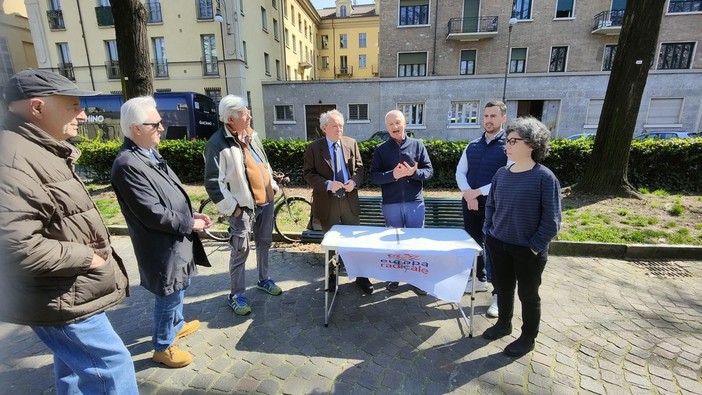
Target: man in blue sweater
400,166
478,164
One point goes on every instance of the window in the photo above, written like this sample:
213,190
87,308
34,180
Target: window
274,3
294,41
467,66
112,62
521,9
285,8
264,20
266,63
287,38
594,110
675,6
342,10
65,66
209,55
6,68
275,30
358,112
608,57
675,56
277,69
292,13
153,7
325,42
245,54
361,40
241,9
215,94
414,113
343,41
299,22
343,64
284,113
517,61
664,111
204,10
362,61
557,63
564,8
412,65
325,62
55,15
463,113
413,12
159,63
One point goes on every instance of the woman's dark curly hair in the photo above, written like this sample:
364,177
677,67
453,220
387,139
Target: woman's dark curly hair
535,134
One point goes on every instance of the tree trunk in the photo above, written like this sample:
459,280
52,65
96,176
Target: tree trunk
606,173
132,48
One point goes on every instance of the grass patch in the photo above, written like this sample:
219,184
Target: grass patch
677,210
639,220
670,224
660,192
110,211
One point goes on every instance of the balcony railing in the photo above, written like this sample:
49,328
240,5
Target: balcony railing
472,29
104,16
112,67
66,70
154,10
608,22
55,18
684,6
204,9
347,71
160,68
209,65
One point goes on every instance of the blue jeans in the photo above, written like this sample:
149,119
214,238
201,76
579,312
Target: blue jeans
89,357
168,319
404,215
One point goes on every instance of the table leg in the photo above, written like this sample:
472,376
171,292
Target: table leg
472,295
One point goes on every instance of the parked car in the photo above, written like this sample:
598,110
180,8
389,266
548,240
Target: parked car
695,134
663,135
581,136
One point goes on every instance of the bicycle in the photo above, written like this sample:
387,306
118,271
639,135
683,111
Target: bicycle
291,215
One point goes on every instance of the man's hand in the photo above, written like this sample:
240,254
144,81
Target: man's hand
349,185
335,186
97,261
202,222
472,204
470,194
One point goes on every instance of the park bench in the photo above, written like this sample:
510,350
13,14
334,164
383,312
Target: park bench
439,213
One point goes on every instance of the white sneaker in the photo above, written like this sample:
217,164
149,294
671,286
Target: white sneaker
492,311
480,286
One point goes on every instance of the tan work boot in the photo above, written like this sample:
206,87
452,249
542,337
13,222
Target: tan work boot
173,357
188,328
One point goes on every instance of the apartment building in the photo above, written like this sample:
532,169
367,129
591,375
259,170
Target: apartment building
441,61
214,47
16,48
348,41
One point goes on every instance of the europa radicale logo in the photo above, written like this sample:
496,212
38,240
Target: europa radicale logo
406,262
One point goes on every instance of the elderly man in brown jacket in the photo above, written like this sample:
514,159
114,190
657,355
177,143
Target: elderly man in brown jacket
58,271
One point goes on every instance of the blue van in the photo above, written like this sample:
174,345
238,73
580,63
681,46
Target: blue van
186,115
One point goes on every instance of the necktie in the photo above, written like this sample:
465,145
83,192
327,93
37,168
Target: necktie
338,171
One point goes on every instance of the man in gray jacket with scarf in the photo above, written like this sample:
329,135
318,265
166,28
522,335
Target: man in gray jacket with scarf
162,225
58,271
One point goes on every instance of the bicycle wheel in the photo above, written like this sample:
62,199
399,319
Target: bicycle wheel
292,217
220,222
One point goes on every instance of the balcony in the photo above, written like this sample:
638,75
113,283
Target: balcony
160,68
344,71
104,16
204,10
304,64
608,23
472,29
112,67
55,18
66,70
154,11
210,67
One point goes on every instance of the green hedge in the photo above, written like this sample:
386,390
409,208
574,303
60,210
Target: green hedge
672,165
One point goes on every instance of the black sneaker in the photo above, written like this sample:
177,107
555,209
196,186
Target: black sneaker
497,331
419,291
519,347
393,286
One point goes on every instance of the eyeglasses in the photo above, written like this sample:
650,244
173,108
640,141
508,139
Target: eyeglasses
513,140
153,124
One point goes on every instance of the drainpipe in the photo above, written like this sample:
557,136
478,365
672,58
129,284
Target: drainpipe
85,44
436,28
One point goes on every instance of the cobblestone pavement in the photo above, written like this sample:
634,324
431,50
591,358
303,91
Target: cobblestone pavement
608,326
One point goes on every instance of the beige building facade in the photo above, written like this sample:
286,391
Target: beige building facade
16,47
213,47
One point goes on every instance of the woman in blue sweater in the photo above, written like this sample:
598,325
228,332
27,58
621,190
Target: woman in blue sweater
522,215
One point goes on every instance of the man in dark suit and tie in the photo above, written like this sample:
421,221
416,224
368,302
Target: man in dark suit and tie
334,169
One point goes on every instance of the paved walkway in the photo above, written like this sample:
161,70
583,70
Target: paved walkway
607,327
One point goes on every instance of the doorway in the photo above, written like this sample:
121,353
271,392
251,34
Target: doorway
312,113
535,108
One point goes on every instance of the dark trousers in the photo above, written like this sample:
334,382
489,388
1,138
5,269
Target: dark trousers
473,224
516,265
